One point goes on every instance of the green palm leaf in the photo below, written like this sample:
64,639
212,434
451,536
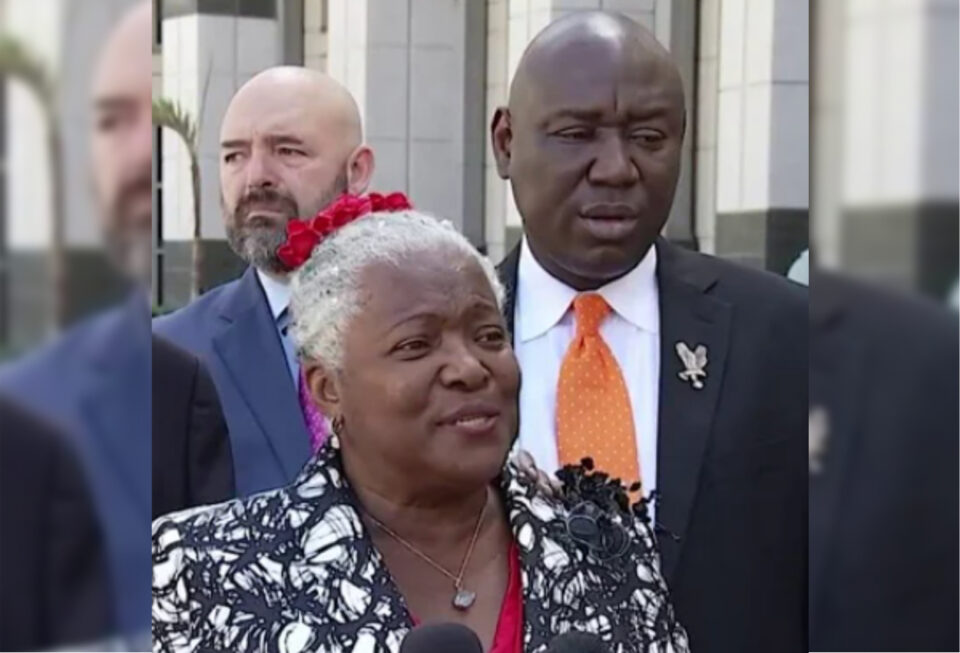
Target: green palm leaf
17,62
173,116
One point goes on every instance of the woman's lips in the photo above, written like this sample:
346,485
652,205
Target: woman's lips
475,426
475,419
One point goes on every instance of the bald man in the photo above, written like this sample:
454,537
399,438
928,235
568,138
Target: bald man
122,145
696,367
93,382
291,141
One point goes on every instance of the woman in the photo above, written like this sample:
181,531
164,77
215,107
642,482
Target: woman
409,512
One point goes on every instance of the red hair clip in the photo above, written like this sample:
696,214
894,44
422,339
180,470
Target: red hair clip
304,235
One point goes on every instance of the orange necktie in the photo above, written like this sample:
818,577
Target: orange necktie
594,418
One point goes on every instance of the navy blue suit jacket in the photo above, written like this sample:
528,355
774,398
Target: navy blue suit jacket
731,500
233,331
94,382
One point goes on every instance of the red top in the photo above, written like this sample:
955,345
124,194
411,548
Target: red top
508,638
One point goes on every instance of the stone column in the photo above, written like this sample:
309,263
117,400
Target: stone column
209,50
886,117
415,68
760,162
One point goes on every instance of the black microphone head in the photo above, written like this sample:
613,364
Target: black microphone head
441,638
574,642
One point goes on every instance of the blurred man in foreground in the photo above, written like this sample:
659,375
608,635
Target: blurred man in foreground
53,576
291,141
883,463
95,380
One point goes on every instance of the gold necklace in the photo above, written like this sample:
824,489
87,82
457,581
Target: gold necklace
463,598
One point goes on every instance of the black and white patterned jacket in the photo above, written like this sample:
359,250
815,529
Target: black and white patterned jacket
293,570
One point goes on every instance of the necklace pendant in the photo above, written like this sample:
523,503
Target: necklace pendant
464,599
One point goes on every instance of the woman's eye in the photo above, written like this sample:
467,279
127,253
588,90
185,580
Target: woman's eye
412,346
495,336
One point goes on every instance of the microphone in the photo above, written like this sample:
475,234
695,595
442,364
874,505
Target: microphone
576,642
441,638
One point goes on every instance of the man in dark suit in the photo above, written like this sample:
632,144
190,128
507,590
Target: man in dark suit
93,381
884,509
712,355
192,465
291,141
53,576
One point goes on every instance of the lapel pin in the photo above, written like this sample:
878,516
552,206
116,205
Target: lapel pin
695,363
819,431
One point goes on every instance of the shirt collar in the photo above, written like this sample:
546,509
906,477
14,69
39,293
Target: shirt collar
634,296
277,292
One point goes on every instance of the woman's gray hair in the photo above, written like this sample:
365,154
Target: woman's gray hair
325,289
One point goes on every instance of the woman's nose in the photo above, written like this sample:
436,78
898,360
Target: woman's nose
463,369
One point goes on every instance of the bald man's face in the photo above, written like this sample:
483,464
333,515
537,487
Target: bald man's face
591,146
122,144
283,155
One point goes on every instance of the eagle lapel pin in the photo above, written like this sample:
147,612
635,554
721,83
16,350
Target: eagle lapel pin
695,363
819,433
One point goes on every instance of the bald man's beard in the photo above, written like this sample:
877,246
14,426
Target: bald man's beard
255,239
128,230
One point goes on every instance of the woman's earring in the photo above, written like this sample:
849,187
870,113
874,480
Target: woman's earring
337,425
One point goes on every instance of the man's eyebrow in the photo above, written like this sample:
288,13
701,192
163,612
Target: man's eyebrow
234,144
284,139
652,110
113,102
577,114
274,139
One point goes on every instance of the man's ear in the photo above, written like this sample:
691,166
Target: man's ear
324,387
359,170
501,136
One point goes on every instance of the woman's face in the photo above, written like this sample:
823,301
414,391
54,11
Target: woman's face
429,383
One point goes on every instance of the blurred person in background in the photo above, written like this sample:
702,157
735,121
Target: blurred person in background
94,381
291,141
706,361
54,586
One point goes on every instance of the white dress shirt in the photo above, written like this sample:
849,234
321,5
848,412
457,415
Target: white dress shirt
544,327
278,298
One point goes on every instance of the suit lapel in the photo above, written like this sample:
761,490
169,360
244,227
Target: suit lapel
250,349
836,365
508,270
691,316
116,402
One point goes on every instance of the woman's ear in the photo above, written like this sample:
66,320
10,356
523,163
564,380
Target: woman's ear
359,170
324,387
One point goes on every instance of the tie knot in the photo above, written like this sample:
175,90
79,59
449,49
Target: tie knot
590,310
283,321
